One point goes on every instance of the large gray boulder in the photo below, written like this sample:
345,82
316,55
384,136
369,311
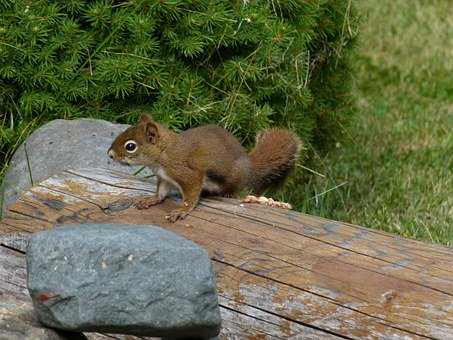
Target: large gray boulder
59,145
139,280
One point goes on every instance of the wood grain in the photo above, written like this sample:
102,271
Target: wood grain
280,274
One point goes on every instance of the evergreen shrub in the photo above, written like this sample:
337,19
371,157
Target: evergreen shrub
246,65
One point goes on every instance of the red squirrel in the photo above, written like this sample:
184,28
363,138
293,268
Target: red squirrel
206,158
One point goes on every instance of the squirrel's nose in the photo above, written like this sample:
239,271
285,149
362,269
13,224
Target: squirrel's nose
111,153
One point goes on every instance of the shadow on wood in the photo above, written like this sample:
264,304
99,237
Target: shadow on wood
280,274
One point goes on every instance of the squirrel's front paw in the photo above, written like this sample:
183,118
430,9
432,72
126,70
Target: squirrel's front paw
147,202
177,214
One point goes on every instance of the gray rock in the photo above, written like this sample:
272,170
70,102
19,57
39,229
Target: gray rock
139,280
59,145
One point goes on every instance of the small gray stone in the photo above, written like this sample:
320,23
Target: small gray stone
57,146
139,280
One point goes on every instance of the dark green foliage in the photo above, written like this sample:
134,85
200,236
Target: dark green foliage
244,64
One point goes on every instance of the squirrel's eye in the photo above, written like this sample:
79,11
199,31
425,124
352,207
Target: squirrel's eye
130,146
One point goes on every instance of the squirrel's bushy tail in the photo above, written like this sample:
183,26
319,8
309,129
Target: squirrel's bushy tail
273,157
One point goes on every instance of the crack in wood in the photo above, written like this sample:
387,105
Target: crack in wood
295,321
110,184
71,195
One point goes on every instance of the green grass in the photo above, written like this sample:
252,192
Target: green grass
395,170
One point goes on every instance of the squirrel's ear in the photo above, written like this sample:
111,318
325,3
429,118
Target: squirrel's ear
151,132
144,118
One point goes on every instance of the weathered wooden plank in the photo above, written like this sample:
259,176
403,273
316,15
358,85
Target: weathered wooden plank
12,274
117,179
363,241
6,228
267,323
337,233
289,302
15,241
94,192
308,272
128,181
239,325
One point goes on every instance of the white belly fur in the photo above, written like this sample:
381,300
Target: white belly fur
160,172
208,185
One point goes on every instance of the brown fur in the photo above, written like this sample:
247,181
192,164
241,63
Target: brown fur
273,157
206,158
